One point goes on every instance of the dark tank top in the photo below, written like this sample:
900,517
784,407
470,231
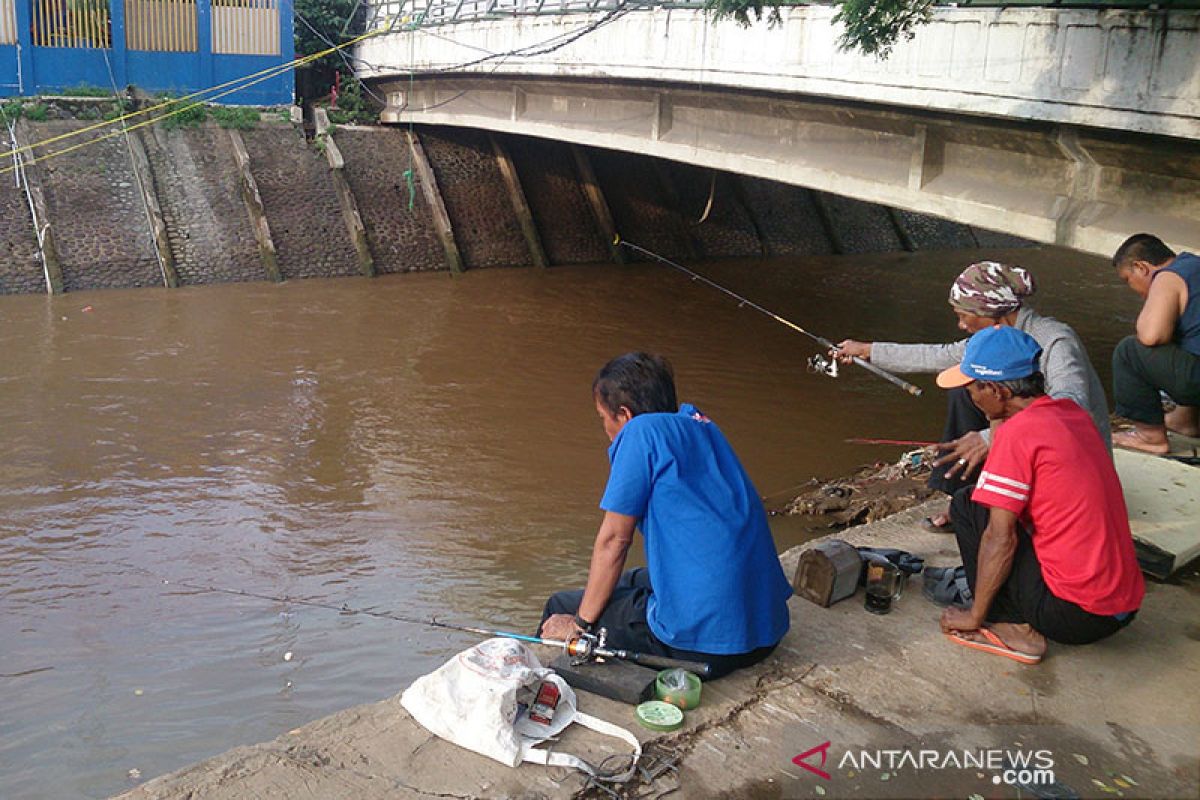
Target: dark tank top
1187,329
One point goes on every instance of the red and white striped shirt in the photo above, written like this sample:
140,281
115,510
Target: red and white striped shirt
1049,466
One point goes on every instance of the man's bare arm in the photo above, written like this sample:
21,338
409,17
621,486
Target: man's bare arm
996,551
1160,313
608,559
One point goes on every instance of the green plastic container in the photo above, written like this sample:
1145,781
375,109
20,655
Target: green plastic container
658,716
684,700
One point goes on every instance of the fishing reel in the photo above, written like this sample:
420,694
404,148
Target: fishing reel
819,363
584,647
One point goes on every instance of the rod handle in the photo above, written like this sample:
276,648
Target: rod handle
661,662
915,391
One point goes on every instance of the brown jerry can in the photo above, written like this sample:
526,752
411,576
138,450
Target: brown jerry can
828,572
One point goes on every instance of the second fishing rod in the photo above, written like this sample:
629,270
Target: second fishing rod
585,647
821,340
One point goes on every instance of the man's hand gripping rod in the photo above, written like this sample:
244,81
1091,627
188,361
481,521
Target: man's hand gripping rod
586,646
915,391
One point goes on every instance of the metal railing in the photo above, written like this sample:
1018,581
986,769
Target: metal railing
398,14
63,23
246,27
8,22
167,26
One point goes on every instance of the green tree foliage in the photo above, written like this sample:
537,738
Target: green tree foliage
329,17
870,26
353,105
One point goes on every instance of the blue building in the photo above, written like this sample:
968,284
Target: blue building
182,46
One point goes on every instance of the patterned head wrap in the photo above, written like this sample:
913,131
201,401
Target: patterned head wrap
991,289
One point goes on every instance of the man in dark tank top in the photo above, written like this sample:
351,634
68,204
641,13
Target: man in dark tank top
1164,355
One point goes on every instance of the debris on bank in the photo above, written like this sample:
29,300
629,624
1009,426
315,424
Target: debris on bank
869,494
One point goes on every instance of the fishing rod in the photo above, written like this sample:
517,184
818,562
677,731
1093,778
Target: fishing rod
584,647
904,442
820,366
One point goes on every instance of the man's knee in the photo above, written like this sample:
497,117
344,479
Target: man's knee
1127,354
962,509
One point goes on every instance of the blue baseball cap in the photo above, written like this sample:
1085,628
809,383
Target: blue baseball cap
999,353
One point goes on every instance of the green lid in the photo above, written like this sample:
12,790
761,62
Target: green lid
659,716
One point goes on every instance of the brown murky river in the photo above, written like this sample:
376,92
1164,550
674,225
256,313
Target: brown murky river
421,444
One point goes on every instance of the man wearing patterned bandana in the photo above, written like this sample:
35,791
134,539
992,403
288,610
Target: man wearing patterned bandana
990,293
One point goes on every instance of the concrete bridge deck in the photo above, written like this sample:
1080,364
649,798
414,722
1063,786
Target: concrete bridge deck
1072,127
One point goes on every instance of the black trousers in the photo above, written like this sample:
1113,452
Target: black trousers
1139,372
1024,596
625,619
962,417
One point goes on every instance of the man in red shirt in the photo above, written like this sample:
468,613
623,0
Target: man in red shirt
1044,534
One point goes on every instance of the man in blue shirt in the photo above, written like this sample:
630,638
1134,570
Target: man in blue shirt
713,590
1164,355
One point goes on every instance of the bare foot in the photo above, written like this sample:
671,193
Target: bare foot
1184,420
1146,438
938,522
1020,637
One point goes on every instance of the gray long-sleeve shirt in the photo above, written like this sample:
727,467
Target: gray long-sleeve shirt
1064,362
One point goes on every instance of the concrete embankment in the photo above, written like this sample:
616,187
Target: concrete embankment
205,205
1117,718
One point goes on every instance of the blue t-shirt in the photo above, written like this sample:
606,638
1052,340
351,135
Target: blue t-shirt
717,584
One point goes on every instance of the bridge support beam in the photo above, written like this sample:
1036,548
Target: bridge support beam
600,209
508,170
254,208
437,207
1064,185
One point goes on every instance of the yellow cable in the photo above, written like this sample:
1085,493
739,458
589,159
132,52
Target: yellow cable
45,156
273,70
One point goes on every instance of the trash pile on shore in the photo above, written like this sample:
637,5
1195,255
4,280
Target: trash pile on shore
871,493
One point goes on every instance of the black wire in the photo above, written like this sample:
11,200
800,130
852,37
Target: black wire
544,47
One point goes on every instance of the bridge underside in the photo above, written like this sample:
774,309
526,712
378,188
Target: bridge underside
1056,184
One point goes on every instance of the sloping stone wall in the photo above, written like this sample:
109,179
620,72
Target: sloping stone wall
399,225
477,200
100,224
196,180
787,217
300,203
20,265
862,227
635,196
728,230
104,241
931,233
560,210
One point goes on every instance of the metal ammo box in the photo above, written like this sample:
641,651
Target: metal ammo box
828,572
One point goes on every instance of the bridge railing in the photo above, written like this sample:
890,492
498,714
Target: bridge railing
400,14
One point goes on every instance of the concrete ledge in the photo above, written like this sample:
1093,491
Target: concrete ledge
254,208
44,232
158,226
354,224
1122,707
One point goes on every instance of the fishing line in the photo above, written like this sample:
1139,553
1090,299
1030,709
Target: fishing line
915,391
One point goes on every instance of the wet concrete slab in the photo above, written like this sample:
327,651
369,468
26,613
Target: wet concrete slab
895,709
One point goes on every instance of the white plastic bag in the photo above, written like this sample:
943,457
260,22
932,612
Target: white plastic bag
480,700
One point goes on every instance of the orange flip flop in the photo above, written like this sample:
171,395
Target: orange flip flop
995,646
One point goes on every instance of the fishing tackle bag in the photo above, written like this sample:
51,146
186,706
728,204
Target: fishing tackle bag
486,700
